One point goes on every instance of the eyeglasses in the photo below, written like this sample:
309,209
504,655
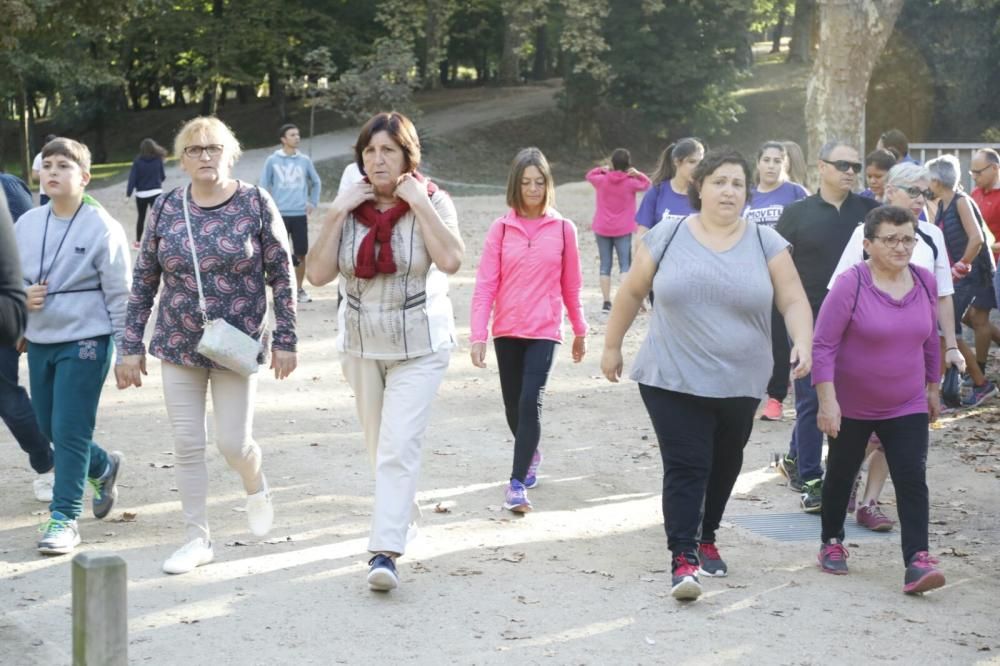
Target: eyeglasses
915,192
976,172
195,152
844,165
892,241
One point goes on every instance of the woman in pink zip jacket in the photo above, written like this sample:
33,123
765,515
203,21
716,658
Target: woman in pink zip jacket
528,273
614,216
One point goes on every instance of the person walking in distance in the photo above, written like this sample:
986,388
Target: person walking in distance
768,198
292,180
529,274
985,171
614,214
145,180
818,228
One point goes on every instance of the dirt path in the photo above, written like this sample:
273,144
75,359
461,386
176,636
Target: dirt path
583,579
515,102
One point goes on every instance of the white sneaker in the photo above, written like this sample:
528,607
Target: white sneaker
191,555
43,486
260,511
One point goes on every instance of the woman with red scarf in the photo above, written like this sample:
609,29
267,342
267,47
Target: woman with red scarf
393,238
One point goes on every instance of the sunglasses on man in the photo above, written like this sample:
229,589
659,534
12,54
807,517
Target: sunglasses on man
844,165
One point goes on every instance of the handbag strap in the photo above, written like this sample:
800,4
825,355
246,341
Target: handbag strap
202,305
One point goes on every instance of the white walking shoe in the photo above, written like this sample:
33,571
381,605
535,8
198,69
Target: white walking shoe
260,511
188,557
43,486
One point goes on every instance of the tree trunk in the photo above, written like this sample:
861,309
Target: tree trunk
539,69
154,96
852,36
509,66
779,31
800,49
276,92
744,50
22,109
179,99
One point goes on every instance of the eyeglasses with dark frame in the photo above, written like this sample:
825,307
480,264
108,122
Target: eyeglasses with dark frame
195,152
892,241
844,166
976,172
915,192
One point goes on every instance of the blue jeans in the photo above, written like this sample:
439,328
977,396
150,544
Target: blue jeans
620,245
17,414
807,441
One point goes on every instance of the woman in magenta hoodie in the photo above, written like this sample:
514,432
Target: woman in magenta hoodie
528,273
614,218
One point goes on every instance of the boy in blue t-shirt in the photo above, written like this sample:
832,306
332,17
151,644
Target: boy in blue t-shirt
76,267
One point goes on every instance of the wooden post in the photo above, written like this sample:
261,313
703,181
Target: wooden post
100,615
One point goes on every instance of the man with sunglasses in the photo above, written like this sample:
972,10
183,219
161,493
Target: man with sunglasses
819,227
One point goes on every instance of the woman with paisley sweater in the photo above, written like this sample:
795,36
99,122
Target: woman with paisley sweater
393,239
241,249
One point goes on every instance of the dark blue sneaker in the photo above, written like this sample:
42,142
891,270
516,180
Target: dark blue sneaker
516,497
105,488
382,574
684,585
833,557
921,574
979,394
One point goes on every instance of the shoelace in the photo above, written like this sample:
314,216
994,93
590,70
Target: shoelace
53,525
924,560
97,486
835,552
684,567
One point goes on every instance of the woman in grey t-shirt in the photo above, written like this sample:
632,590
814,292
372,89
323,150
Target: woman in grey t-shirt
706,359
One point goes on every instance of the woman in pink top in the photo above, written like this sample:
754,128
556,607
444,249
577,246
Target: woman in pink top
876,370
614,217
528,272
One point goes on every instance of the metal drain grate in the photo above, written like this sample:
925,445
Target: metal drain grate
802,527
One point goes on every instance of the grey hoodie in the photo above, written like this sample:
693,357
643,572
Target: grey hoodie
93,270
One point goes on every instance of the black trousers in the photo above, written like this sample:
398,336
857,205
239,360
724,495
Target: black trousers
141,205
904,439
524,366
701,443
781,349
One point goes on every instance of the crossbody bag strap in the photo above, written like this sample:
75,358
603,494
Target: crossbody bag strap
670,240
194,255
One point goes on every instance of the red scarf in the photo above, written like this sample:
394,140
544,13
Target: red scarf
381,222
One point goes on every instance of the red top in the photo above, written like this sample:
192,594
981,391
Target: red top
615,214
989,203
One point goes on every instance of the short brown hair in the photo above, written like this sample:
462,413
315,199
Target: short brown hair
68,148
402,131
525,158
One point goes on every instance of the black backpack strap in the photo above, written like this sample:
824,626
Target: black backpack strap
857,293
669,241
916,275
927,239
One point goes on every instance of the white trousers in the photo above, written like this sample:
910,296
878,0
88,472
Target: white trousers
185,392
393,400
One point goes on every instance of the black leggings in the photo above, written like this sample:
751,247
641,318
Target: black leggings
141,204
701,443
781,349
524,366
904,439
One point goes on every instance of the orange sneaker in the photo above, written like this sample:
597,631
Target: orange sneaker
773,410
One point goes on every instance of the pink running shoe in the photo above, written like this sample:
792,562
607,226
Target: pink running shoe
871,516
531,480
921,574
773,410
833,557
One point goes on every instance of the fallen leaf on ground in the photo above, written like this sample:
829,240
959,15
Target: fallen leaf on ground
439,508
513,557
236,543
161,465
465,572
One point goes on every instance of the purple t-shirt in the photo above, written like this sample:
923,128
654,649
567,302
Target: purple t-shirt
766,207
662,203
879,352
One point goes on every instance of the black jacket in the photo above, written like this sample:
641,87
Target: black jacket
13,313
